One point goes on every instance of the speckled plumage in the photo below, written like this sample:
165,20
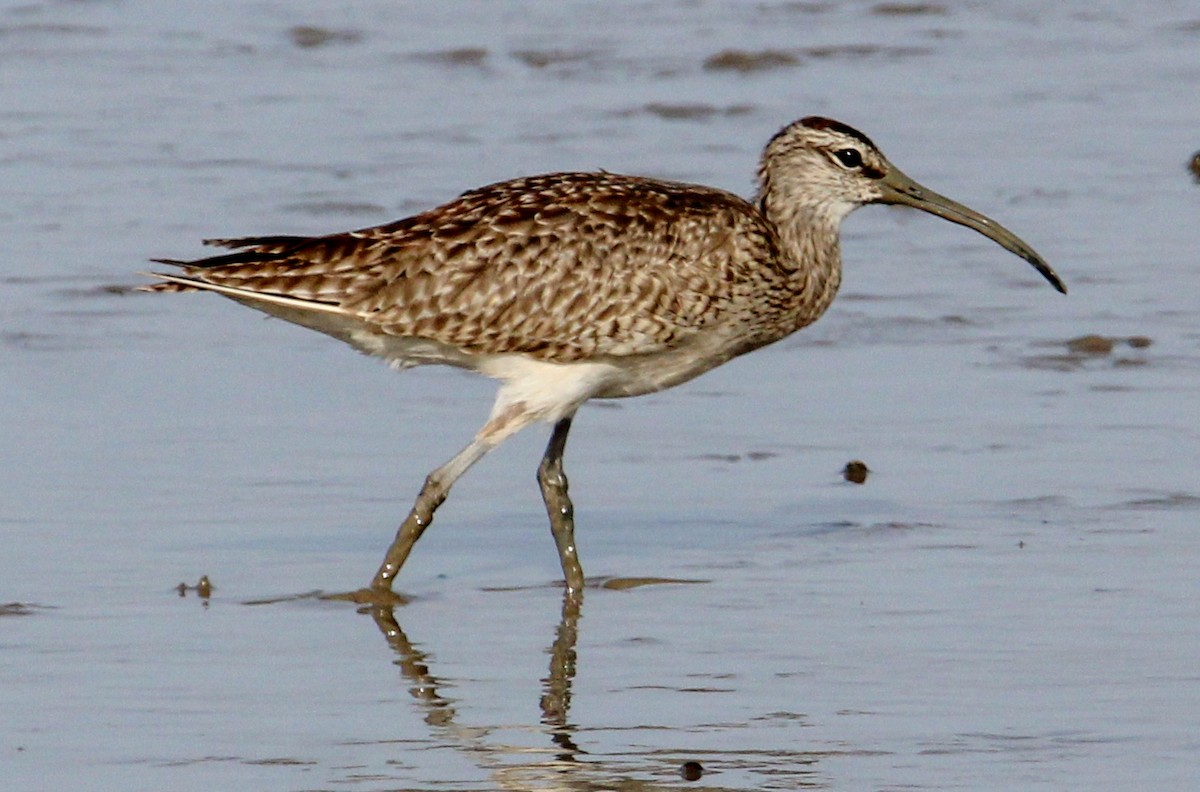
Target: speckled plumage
562,267
570,286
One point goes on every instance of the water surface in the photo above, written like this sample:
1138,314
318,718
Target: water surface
1009,602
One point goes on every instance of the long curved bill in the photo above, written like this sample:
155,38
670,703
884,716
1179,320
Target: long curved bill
898,188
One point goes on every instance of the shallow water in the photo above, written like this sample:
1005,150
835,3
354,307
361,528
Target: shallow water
1009,602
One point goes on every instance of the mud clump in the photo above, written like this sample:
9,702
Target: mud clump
856,471
1100,346
1092,345
203,588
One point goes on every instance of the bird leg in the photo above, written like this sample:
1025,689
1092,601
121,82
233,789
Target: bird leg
558,504
506,419
432,494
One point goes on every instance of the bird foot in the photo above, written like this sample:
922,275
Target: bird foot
375,597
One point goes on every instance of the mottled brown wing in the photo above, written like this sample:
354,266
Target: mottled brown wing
561,267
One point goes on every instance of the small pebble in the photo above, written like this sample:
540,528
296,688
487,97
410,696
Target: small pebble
1194,166
856,472
691,771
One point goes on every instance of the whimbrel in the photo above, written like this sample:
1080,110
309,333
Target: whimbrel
574,286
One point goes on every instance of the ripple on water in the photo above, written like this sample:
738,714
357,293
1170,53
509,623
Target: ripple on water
457,57
23,609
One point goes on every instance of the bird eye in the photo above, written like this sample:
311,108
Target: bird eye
850,158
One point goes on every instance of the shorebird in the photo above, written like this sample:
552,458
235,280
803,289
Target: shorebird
574,286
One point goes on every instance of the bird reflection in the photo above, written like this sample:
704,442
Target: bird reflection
556,686
439,711
565,771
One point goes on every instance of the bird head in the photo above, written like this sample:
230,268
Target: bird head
829,169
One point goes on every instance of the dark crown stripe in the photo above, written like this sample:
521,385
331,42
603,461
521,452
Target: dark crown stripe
818,122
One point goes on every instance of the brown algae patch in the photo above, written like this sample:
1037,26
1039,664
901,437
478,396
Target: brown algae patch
1098,345
1159,501
692,111
1082,349
92,292
745,61
857,51
311,37
541,59
909,9
1092,345
753,456
473,57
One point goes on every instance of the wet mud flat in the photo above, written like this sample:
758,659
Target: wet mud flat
985,600
1007,599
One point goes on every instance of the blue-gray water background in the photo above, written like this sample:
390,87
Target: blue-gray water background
1010,602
